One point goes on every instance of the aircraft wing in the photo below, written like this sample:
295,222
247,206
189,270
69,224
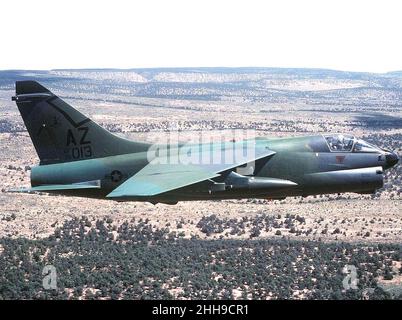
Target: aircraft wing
156,178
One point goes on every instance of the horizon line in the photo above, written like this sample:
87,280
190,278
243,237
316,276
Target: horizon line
212,67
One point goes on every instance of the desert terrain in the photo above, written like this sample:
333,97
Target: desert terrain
212,239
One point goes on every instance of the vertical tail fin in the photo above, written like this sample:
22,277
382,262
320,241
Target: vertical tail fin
62,134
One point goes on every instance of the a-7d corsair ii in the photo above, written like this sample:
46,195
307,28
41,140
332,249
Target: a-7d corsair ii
80,158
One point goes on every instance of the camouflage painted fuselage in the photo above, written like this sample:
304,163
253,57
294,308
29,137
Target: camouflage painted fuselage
306,161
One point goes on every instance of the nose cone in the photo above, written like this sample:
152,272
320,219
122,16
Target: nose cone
391,159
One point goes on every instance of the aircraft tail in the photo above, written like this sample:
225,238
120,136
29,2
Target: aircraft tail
62,134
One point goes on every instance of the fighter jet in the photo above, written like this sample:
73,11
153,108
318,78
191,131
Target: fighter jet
80,158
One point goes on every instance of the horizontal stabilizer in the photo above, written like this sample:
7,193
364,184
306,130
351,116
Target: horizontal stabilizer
54,187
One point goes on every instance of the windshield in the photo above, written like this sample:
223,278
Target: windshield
340,142
363,146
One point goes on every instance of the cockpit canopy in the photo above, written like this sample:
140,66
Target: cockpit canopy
340,143
348,143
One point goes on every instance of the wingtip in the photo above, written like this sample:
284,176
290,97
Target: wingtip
121,195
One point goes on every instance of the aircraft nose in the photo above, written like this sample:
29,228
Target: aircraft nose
391,159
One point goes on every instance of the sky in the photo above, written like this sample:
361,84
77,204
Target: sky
348,35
